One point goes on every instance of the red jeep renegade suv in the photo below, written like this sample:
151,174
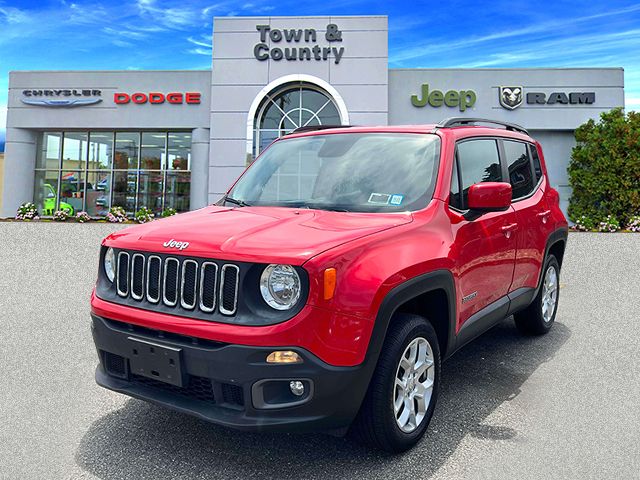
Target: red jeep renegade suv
324,290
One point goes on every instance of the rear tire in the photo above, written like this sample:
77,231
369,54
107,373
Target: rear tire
404,388
538,317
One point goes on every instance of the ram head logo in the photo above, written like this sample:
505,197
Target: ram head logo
510,97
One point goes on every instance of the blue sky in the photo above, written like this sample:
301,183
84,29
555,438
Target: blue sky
159,34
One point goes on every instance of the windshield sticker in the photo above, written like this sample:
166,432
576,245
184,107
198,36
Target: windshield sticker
380,198
396,199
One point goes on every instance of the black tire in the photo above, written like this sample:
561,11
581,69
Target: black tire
375,424
531,321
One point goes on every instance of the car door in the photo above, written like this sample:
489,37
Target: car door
531,210
484,244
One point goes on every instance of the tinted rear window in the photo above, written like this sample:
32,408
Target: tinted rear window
519,165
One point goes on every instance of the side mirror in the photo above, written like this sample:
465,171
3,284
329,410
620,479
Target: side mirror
489,196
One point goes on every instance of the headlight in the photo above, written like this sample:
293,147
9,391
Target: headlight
110,264
280,286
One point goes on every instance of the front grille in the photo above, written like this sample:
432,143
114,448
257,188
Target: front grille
198,388
154,265
189,284
229,289
208,283
123,274
115,365
137,276
232,394
195,388
180,283
170,286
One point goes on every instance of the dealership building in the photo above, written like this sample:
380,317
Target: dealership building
89,140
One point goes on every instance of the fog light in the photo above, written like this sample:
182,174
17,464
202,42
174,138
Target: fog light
284,356
297,387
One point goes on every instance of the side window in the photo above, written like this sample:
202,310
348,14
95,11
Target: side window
455,200
478,161
519,165
536,162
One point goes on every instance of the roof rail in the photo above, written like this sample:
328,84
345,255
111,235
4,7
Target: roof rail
311,128
460,121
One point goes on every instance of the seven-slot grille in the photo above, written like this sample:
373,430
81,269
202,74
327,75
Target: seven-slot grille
175,281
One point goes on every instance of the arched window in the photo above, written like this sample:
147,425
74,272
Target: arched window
290,106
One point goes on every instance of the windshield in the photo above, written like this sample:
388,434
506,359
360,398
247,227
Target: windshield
359,172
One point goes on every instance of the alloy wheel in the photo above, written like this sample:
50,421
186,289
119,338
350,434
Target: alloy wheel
549,293
413,385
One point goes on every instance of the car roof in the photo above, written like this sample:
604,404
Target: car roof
457,131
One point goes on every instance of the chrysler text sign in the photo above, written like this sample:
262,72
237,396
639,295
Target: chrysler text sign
300,44
61,97
174,98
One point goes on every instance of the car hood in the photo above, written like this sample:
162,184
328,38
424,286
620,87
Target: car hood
263,234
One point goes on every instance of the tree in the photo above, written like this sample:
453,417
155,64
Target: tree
604,171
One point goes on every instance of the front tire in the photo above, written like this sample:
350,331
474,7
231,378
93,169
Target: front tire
538,318
404,388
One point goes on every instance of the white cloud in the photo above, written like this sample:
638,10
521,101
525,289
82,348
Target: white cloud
121,43
170,17
13,15
553,27
212,9
200,43
199,51
125,33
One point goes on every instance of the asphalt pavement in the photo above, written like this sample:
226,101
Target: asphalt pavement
566,405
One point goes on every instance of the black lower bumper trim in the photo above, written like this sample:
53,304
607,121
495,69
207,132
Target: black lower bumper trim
232,385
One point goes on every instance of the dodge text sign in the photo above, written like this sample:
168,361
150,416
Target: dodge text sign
157,97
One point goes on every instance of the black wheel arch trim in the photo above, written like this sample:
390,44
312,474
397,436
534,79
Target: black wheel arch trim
558,235
435,280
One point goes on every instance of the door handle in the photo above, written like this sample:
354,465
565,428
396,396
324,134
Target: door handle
507,229
544,216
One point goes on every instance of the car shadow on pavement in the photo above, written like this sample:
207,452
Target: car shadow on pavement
141,440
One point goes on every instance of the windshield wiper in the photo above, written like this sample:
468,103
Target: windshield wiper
240,203
325,206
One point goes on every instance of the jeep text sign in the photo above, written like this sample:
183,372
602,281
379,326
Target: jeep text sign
462,99
308,36
175,244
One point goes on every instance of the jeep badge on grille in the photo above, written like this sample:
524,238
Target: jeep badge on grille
175,244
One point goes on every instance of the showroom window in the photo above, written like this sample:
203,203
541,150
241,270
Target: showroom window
291,106
93,171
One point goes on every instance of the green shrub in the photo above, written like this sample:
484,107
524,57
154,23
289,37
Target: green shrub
82,217
586,224
144,215
60,216
604,171
116,215
27,211
169,212
609,224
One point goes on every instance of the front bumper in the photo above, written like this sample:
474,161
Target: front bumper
232,385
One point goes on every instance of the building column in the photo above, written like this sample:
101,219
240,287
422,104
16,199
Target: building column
19,169
199,168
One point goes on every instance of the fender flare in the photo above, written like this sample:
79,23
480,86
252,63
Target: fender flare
559,235
428,282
